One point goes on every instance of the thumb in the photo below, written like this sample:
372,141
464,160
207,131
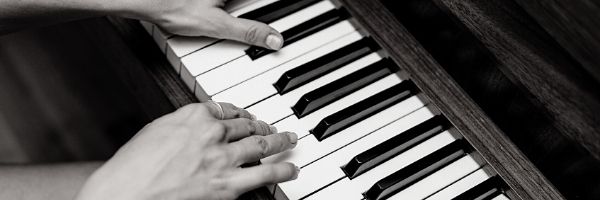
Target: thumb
251,32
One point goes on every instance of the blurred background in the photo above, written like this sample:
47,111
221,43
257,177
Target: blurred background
65,95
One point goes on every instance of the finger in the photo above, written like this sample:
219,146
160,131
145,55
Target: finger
232,111
250,178
254,148
242,127
229,111
251,32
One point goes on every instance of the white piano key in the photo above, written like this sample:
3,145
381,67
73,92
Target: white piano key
212,56
180,46
223,52
327,169
309,149
261,86
278,107
501,197
160,37
461,186
353,189
245,68
439,179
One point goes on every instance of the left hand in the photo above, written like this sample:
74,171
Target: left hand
192,154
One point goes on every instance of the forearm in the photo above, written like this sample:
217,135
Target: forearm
21,14
58,181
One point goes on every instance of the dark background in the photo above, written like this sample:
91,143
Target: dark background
66,95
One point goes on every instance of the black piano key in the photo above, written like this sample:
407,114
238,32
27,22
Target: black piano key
302,30
394,146
323,65
416,171
277,10
363,109
337,89
488,189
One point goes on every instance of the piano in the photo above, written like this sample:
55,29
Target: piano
388,98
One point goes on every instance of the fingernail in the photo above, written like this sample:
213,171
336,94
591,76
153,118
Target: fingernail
252,117
293,138
297,172
273,129
274,42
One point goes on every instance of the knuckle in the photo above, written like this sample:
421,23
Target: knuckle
252,34
262,145
250,125
241,113
217,131
218,126
214,157
264,127
282,141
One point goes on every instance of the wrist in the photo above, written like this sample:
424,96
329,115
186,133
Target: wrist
146,10
124,9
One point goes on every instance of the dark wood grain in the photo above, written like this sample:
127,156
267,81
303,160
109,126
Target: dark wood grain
520,174
575,25
556,83
526,121
557,96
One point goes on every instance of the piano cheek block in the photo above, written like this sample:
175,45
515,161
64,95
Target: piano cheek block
363,109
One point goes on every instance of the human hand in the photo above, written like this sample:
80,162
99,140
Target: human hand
191,154
205,18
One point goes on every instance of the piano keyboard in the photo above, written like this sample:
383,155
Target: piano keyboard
365,132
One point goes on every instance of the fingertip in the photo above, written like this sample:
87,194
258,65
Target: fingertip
274,41
273,129
292,171
253,33
296,172
293,138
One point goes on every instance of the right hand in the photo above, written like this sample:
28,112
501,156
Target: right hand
190,154
205,18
